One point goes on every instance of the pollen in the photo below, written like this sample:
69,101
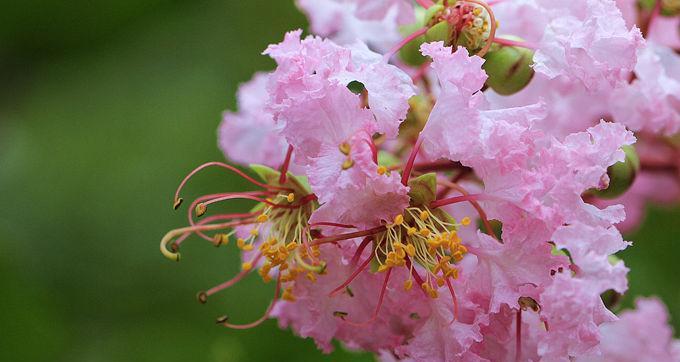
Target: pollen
347,164
288,295
399,219
240,243
262,218
424,232
254,232
290,197
248,247
345,148
424,215
466,221
408,284
247,266
382,170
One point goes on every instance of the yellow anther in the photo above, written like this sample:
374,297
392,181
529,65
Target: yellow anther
220,239
434,294
200,209
477,11
264,247
290,197
411,231
382,170
410,250
425,232
240,243
399,219
288,294
283,266
254,232
311,276
440,282
345,148
426,287
465,221
424,215
247,266
347,164
451,273
401,254
291,246
408,284
262,218
248,247
383,268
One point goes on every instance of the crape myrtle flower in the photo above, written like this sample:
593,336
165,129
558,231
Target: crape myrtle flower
345,21
416,213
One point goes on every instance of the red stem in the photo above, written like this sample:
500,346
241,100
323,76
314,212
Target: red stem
360,250
514,43
356,234
411,160
284,167
454,200
402,43
353,276
425,3
518,340
266,313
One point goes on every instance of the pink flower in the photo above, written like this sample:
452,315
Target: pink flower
640,335
586,41
308,68
251,136
357,195
573,311
346,21
321,316
652,101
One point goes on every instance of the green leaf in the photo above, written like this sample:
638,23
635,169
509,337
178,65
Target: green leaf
356,87
423,189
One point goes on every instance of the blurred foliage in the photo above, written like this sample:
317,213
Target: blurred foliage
104,106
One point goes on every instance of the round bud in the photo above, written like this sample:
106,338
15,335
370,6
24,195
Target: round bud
669,8
410,52
621,175
439,32
509,69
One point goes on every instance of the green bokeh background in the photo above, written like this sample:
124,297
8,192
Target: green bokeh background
104,106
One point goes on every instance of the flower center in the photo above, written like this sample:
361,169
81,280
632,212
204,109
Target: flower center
429,238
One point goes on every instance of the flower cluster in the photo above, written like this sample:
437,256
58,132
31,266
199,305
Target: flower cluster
462,202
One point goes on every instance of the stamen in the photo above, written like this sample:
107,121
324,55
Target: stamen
409,164
518,339
263,318
357,254
425,3
286,163
345,148
175,256
380,302
454,200
514,43
203,295
332,239
455,300
402,43
475,204
352,276
178,200
492,32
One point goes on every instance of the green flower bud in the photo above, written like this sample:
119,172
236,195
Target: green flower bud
410,53
668,7
509,69
621,175
439,32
